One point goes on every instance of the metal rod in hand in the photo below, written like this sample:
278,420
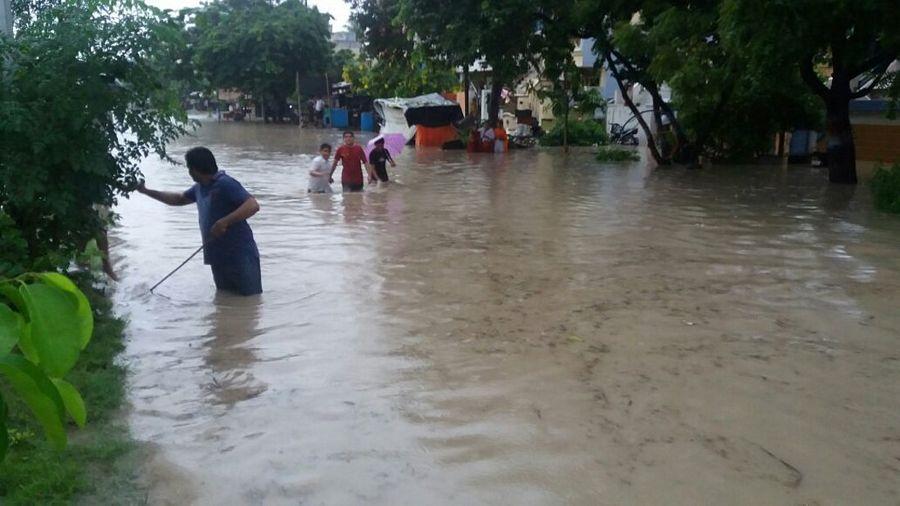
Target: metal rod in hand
188,259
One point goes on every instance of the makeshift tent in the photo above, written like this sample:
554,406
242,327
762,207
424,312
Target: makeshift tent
404,115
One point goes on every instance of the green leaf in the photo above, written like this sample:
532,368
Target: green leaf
26,346
4,433
9,291
55,327
85,316
72,400
39,393
11,326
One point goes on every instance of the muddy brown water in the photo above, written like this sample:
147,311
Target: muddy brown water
528,328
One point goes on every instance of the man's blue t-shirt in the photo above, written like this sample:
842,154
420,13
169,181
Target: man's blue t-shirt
214,202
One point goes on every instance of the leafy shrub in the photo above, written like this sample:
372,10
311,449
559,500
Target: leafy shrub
886,188
45,322
85,99
581,133
607,154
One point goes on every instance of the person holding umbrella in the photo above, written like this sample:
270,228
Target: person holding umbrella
379,158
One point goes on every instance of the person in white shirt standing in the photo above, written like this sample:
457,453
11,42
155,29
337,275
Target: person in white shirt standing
320,173
320,112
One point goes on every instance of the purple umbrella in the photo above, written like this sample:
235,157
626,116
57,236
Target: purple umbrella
392,142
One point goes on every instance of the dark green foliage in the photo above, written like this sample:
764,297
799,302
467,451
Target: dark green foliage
258,46
391,65
461,32
886,188
729,107
581,133
608,154
85,97
855,40
391,78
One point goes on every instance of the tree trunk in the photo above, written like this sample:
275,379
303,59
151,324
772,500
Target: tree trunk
841,148
299,106
494,111
565,114
466,89
262,108
839,132
651,141
682,151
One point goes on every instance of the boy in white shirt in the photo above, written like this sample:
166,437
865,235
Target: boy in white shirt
320,174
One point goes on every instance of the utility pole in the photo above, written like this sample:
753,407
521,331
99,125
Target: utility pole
6,19
299,108
466,88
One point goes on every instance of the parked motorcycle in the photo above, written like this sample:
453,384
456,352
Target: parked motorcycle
620,135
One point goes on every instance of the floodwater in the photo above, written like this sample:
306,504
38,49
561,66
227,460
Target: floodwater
527,328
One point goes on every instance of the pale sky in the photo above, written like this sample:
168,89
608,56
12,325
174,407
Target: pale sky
337,8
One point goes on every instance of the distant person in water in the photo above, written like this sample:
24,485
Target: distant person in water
352,158
223,206
379,157
319,174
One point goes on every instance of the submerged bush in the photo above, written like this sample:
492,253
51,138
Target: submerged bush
886,188
607,154
581,133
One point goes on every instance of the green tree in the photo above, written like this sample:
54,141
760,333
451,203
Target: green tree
726,107
392,78
460,33
258,46
85,98
852,41
391,65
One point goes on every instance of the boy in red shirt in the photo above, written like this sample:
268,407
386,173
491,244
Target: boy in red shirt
352,157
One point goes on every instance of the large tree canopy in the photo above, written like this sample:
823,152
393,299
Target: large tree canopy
391,64
462,32
850,42
726,108
258,46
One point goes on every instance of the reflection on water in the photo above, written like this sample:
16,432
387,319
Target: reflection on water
232,324
529,329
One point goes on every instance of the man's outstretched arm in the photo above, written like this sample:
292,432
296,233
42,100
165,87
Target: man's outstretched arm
169,198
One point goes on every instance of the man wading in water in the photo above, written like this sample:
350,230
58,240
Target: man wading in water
352,157
224,207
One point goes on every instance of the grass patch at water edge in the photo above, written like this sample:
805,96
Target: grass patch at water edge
607,154
99,464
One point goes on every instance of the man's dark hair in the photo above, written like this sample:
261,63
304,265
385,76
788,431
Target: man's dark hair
201,160
350,133
324,146
379,140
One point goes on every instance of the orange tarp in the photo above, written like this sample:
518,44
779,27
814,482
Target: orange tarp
434,136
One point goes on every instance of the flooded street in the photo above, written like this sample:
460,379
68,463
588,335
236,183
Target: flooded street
517,329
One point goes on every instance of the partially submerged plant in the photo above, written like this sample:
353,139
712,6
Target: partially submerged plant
608,154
